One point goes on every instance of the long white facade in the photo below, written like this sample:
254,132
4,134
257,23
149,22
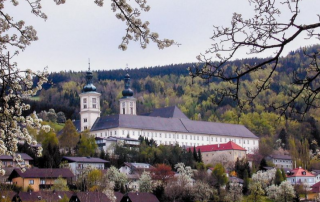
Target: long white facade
182,139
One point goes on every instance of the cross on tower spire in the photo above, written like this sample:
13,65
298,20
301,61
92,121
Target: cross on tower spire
127,67
89,64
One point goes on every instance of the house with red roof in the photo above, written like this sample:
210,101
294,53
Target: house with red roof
301,176
225,152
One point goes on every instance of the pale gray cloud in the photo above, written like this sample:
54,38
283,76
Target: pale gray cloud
79,30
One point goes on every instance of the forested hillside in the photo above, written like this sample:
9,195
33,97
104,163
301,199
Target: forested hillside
156,87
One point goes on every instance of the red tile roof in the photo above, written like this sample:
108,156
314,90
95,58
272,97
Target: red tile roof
300,172
220,147
316,187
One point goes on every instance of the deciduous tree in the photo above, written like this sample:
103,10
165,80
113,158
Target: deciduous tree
145,182
69,136
219,176
263,32
162,172
234,193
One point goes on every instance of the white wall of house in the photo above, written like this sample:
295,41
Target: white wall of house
302,180
317,178
282,163
78,167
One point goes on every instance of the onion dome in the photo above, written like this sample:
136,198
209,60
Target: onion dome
127,92
89,87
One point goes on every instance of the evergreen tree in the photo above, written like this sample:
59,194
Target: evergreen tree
263,163
245,182
283,136
51,156
284,176
102,154
199,156
195,156
278,177
242,166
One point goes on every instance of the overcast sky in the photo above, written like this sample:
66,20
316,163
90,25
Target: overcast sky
79,29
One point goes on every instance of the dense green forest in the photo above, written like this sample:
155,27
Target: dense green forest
170,85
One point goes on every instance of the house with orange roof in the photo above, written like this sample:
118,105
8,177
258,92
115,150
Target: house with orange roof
225,152
301,176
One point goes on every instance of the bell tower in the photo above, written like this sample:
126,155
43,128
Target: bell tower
127,102
89,103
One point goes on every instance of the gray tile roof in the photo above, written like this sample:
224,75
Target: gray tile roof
24,156
280,156
140,196
83,159
180,125
168,112
42,173
214,128
58,195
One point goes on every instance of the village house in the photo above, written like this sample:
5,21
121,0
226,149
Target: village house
38,179
78,164
7,160
133,172
108,143
8,165
316,173
224,152
301,176
280,161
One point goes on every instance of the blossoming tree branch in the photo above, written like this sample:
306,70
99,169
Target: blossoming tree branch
16,84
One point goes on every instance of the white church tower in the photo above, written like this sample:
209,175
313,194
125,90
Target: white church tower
127,102
89,103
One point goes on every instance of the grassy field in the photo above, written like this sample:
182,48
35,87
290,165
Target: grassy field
56,126
35,98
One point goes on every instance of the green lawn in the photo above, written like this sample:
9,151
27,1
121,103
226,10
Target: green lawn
56,126
263,199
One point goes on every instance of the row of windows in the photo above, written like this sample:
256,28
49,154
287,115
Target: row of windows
124,104
175,137
94,100
94,103
284,161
